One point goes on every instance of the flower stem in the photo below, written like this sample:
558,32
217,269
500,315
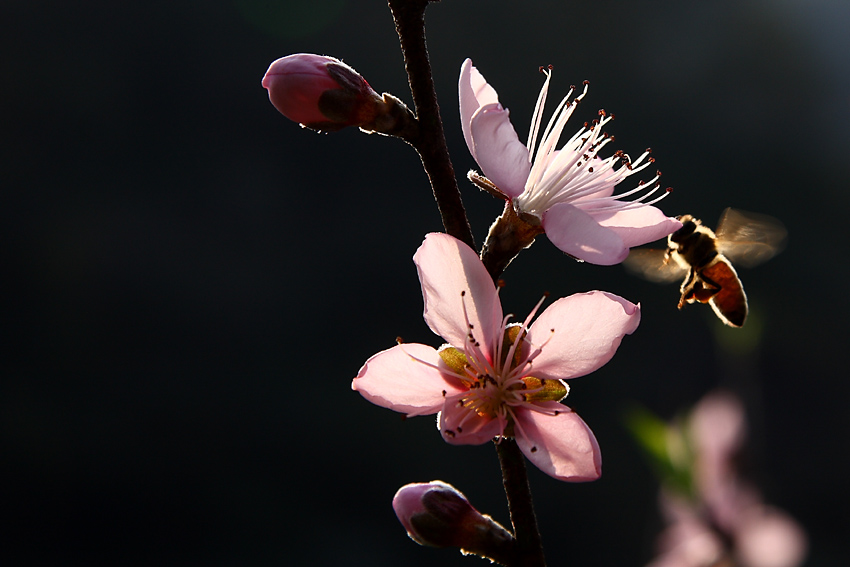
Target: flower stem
515,479
507,238
508,235
430,141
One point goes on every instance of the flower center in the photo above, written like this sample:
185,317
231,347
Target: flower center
576,172
499,383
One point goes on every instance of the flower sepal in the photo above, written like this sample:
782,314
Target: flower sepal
486,185
508,236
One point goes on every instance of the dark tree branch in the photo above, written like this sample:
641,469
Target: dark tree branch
430,142
515,480
409,16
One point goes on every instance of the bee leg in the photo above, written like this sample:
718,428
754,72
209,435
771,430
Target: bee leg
710,284
687,289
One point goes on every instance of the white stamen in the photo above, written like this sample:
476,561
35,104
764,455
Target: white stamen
575,172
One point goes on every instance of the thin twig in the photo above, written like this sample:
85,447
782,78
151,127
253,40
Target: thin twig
515,479
409,16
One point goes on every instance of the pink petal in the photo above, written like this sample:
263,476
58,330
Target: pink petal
578,234
689,544
497,149
395,379
562,446
296,83
446,268
462,426
718,425
474,92
771,538
588,328
639,225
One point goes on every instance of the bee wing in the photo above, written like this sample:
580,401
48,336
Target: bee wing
652,265
748,239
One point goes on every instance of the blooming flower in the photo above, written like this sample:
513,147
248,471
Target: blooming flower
571,190
493,379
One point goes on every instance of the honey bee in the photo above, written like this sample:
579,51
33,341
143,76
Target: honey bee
703,258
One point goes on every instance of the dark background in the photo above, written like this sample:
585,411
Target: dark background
191,281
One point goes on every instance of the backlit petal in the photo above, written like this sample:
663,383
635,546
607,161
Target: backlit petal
578,234
588,328
395,379
462,426
637,225
562,446
770,538
497,149
446,268
474,92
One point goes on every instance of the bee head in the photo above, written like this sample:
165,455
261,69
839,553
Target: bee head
689,226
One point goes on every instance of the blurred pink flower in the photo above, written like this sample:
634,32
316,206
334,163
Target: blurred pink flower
493,379
571,190
727,521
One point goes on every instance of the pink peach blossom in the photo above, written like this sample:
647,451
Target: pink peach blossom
571,190
493,379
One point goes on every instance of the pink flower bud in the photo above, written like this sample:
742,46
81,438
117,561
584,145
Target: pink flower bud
319,92
436,514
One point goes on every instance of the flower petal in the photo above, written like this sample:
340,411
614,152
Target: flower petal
460,425
446,268
562,446
578,234
395,379
474,92
770,538
580,333
718,427
497,149
638,225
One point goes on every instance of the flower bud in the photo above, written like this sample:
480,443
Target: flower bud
324,94
321,93
438,515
